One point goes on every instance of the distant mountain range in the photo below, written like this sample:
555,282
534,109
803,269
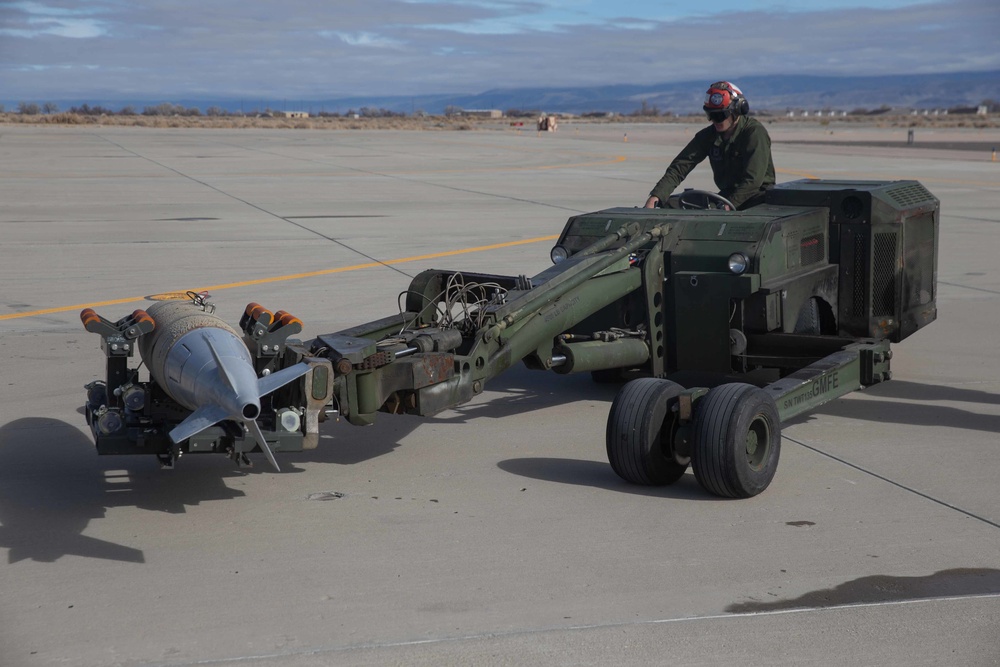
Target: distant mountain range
766,93
773,93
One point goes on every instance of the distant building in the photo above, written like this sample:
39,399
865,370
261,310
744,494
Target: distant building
805,113
295,114
483,113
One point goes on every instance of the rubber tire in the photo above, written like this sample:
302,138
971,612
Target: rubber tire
815,318
725,420
808,321
640,417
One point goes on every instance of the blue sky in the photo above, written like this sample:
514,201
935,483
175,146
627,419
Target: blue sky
308,49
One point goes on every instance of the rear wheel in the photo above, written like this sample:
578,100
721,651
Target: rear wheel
737,440
641,428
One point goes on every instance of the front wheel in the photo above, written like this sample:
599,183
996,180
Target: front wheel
737,440
640,433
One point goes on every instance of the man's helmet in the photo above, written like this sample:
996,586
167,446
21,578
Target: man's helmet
723,96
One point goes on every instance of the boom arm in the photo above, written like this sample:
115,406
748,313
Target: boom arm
427,359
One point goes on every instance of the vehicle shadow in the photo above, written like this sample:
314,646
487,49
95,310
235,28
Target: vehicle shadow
915,406
522,390
600,475
918,391
516,392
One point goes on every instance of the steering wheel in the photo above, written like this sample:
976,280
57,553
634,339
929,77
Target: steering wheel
703,199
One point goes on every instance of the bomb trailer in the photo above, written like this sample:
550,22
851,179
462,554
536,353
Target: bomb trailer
721,324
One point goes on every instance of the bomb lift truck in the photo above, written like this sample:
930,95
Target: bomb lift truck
721,324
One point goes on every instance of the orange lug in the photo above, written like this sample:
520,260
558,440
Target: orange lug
142,316
260,314
89,316
288,318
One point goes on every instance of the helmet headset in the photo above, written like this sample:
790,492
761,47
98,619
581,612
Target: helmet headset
723,100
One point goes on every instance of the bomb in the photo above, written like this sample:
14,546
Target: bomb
203,364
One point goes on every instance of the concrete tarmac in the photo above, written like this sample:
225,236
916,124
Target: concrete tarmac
496,533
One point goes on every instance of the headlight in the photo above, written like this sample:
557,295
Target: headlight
738,263
558,254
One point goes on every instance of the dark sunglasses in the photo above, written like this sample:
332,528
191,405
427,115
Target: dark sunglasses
718,116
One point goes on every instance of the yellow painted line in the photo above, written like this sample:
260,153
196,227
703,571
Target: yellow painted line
539,167
278,279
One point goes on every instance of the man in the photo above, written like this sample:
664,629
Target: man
737,146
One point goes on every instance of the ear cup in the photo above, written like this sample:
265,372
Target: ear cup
744,106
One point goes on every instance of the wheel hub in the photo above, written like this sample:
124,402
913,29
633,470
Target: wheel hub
757,443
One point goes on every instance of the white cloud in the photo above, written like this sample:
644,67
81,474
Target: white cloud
34,19
72,28
366,39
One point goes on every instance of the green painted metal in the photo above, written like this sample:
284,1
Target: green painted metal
856,366
596,355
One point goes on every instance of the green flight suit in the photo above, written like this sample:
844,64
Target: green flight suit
742,166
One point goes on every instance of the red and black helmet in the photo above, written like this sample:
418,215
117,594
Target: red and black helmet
724,96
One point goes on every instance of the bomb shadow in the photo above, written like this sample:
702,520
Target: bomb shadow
52,485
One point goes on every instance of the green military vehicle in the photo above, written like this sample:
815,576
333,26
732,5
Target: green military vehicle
721,325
